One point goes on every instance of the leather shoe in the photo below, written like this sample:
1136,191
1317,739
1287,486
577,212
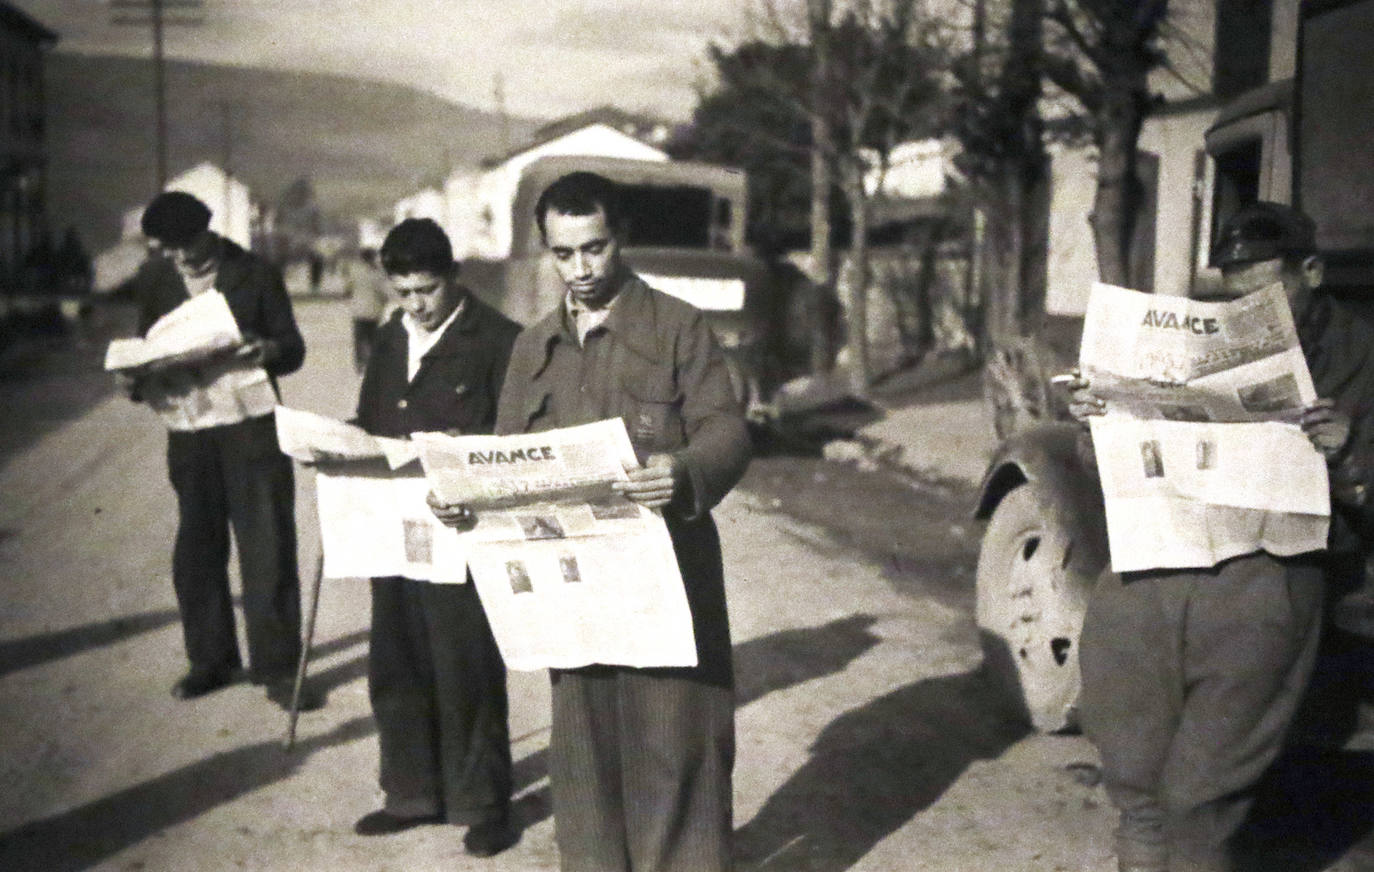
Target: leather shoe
280,690
199,682
384,823
490,837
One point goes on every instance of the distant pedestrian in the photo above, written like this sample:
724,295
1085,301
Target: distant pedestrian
435,676
640,760
222,454
370,301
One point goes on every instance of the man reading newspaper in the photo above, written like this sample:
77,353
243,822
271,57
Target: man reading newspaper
222,454
640,760
1191,676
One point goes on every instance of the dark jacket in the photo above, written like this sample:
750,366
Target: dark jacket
456,385
252,287
1339,346
655,365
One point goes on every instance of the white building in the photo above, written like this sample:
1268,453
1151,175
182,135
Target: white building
232,215
474,206
231,204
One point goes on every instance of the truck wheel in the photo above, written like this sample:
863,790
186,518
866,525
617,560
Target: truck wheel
1029,612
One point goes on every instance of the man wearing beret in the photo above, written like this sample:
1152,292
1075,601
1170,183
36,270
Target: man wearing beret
1191,676
222,454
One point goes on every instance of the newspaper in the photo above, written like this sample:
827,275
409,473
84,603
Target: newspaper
1199,453
198,329
188,376
569,572
310,438
374,522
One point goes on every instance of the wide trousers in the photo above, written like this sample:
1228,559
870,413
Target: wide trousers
438,689
236,475
1190,681
640,765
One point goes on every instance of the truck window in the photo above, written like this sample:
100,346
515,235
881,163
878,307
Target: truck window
1237,182
667,217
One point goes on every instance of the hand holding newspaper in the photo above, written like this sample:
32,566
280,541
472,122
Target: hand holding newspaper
1198,454
569,572
199,329
312,438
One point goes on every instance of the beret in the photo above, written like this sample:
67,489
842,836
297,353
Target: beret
175,218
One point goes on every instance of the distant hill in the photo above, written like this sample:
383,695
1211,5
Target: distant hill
363,143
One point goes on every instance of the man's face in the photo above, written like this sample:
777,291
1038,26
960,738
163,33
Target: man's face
1240,279
194,258
586,254
428,298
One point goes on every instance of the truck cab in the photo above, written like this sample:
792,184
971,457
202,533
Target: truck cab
685,237
1301,138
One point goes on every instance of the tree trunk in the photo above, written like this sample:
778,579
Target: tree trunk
857,200
1115,202
822,181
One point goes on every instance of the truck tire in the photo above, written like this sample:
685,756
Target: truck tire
1029,613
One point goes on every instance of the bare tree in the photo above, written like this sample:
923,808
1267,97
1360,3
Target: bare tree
1102,52
874,82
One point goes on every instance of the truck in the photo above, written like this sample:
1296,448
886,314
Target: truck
685,237
1302,137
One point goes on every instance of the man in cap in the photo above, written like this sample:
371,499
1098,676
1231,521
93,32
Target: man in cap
222,454
1191,677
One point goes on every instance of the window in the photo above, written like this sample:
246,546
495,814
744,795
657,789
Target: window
1237,182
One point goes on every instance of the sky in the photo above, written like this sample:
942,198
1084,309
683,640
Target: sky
553,57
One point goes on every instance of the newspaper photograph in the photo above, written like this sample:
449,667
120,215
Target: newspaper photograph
374,522
198,329
1199,454
569,572
1187,360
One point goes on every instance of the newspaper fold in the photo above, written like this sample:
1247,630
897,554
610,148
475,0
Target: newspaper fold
189,377
311,438
1198,454
569,573
199,329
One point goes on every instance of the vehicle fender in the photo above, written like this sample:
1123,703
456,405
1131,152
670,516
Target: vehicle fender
1048,458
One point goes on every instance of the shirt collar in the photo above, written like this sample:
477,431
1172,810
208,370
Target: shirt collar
419,335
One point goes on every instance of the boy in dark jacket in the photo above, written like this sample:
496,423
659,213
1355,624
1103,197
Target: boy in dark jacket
435,677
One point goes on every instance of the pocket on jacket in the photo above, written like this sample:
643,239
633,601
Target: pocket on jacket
651,412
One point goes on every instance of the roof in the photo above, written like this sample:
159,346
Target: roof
16,20
641,127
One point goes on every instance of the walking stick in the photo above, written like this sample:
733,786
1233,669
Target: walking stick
305,651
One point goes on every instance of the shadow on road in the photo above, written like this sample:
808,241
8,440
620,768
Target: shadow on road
16,654
873,769
84,836
790,657
773,662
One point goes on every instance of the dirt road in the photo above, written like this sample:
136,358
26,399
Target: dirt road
866,739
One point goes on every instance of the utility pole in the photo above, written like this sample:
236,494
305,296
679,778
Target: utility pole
159,15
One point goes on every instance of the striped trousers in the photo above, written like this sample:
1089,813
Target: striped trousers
640,763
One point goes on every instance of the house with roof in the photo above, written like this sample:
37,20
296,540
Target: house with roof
473,204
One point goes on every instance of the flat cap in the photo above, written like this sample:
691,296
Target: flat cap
175,218
1262,231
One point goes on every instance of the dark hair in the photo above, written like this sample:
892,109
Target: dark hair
175,218
580,193
417,245
1263,231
